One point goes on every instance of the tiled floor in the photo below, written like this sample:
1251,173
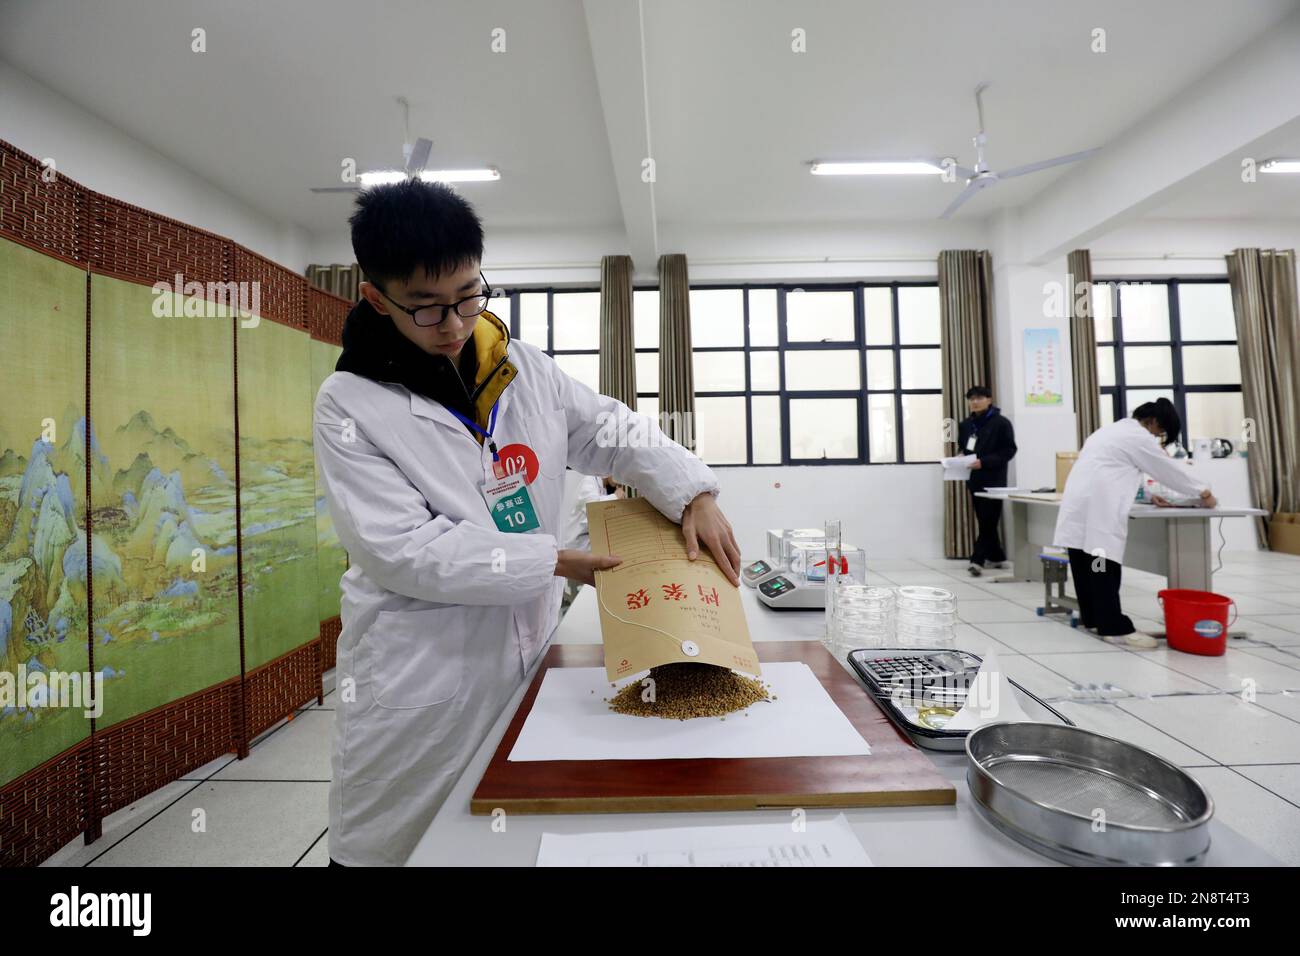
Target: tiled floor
1234,720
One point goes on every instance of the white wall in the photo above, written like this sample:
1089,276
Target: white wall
101,157
1019,304
1186,247
890,511
1146,248
755,253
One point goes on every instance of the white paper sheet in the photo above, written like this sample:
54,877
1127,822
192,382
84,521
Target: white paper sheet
822,843
571,721
990,699
957,468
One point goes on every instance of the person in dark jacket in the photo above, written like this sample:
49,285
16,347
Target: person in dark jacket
988,435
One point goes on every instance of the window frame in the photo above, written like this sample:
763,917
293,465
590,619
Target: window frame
1176,343
783,346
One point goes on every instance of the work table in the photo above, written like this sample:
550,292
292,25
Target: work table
1173,542
892,836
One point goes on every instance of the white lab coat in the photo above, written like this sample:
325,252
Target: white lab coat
1105,479
576,533
443,614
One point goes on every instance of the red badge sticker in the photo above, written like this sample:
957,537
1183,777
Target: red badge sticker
516,458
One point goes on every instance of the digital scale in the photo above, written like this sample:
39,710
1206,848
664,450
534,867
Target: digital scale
784,594
757,571
793,576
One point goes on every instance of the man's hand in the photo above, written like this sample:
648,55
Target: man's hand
1161,502
703,523
1208,500
975,465
583,565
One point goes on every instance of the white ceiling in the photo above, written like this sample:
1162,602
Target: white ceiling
1219,192
286,91
735,114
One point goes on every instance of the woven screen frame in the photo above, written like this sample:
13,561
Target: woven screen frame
326,313
49,217
135,244
142,753
45,808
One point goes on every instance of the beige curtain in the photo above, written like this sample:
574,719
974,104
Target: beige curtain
1083,346
340,279
1268,335
676,375
617,351
966,334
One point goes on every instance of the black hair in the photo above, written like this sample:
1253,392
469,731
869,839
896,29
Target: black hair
979,391
400,227
1163,413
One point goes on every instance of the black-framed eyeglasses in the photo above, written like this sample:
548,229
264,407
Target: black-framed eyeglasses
430,315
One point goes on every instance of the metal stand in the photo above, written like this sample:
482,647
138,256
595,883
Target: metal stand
1056,570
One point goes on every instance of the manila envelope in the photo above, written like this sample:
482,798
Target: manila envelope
658,603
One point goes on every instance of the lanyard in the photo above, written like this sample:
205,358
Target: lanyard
492,425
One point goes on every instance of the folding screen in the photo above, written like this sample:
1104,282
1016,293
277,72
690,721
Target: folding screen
166,607
277,490
183,452
43,603
331,559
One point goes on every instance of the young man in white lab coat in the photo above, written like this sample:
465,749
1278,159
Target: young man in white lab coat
442,447
1093,520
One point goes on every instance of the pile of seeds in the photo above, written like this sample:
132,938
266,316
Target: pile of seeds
683,691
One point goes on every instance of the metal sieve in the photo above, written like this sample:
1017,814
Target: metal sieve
1083,798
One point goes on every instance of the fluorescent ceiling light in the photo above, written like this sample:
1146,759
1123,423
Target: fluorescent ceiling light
1280,166
460,175
876,169
385,177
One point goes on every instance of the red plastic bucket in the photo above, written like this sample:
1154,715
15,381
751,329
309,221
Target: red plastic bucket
1196,622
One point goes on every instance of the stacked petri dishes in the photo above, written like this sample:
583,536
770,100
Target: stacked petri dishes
864,617
925,616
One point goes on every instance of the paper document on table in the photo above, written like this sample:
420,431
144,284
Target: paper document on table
990,699
822,843
658,606
570,720
957,468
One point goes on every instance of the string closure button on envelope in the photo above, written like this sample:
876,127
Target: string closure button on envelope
690,649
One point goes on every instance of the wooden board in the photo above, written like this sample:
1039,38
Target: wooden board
896,773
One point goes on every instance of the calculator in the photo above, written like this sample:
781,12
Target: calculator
952,669
921,690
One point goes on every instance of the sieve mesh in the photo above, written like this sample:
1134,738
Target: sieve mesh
1082,791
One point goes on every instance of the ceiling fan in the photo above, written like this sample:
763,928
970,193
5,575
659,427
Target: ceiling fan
981,177
415,156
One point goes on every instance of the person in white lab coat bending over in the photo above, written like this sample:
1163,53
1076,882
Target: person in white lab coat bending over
442,446
1094,515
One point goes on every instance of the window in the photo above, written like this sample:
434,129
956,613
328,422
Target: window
813,374
1175,338
563,323
809,374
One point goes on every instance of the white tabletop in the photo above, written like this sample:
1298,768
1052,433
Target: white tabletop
892,836
1138,511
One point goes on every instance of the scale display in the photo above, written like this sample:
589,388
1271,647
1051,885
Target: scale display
751,574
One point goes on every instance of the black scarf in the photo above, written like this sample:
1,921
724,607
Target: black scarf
374,348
